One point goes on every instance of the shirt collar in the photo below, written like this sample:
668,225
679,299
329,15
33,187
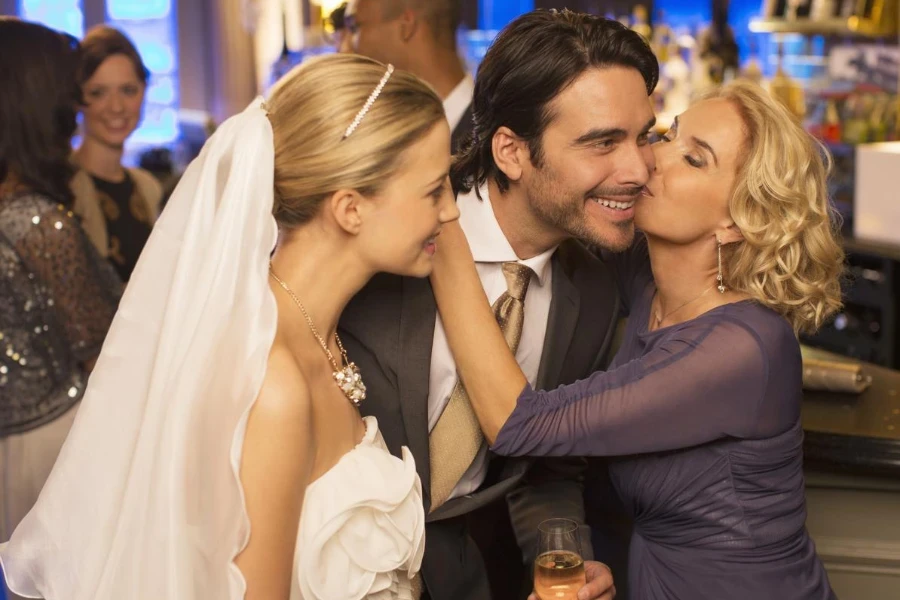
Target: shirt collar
458,101
486,239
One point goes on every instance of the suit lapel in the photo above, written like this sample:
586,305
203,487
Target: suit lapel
561,325
417,316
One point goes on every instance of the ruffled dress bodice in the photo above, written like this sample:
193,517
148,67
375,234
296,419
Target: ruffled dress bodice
362,529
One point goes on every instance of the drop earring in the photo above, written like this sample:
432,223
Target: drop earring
719,278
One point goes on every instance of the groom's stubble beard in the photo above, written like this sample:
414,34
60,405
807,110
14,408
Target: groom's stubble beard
562,208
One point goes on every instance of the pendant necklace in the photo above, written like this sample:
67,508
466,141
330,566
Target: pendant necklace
347,378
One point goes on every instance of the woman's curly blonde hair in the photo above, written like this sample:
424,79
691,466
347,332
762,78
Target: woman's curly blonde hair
791,259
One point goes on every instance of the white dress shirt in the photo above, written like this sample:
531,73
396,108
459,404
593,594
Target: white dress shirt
490,249
458,101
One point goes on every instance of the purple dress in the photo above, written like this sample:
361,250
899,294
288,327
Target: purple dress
702,424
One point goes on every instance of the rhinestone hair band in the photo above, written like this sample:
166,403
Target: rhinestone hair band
372,97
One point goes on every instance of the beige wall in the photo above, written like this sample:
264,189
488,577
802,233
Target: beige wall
216,70
215,57
194,55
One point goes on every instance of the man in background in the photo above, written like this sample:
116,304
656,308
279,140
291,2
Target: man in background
339,37
418,36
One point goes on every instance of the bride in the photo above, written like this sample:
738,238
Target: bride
218,451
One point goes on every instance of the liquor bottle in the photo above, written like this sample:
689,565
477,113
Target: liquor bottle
878,119
752,69
677,74
639,22
786,90
831,125
797,9
822,10
847,8
662,36
769,9
722,43
855,125
894,127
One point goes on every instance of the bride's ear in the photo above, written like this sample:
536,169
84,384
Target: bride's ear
346,207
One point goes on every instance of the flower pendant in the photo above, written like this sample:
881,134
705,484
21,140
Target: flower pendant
351,383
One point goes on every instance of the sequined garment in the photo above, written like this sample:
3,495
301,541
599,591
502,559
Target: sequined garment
57,300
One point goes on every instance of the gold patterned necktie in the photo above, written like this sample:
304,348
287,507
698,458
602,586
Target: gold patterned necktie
456,438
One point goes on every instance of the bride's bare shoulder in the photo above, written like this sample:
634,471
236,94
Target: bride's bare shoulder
276,465
283,408
285,392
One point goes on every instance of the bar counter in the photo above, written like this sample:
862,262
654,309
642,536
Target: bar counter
852,472
854,433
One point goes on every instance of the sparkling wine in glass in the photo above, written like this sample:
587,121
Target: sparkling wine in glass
559,568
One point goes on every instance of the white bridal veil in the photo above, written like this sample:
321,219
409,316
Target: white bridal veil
144,501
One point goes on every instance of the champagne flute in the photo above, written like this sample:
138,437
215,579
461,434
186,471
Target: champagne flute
559,567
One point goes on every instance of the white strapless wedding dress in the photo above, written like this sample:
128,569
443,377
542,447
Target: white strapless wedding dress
362,530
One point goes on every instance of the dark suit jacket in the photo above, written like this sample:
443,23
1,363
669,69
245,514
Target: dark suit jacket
388,330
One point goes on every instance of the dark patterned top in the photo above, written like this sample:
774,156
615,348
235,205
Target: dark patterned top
128,222
702,421
57,300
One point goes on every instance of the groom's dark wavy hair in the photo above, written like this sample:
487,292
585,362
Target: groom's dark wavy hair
534,59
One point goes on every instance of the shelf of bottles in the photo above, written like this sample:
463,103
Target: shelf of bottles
868,18
152,26
838,64
848,26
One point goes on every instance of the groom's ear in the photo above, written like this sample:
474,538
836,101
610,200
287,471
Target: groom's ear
345,206
510,152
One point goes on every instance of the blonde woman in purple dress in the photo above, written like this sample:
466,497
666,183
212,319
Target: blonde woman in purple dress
700,411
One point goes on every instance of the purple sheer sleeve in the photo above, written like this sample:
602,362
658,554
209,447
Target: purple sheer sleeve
704,380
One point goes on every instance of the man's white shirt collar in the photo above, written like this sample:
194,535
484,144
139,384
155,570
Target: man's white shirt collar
458,101
486,239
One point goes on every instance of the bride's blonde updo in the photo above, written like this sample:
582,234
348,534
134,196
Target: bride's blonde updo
310,110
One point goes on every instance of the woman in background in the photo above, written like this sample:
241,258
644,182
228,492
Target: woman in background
57,295
118,205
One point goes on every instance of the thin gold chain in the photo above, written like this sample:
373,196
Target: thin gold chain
659,319
309,322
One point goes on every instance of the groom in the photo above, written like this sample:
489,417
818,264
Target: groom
559,151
